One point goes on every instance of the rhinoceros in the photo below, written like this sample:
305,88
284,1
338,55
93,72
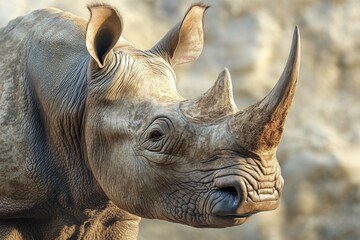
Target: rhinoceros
94,134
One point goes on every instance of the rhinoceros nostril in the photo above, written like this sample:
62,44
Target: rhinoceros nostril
231,192
227,199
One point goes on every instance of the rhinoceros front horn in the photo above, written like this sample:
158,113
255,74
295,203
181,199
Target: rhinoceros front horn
259,127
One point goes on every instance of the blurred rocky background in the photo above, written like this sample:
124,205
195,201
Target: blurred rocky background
320,150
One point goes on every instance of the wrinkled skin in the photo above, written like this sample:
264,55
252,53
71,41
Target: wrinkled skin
103,137
186,161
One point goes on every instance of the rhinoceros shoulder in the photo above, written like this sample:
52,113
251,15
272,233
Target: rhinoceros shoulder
47,32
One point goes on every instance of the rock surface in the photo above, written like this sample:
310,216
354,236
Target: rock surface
320,150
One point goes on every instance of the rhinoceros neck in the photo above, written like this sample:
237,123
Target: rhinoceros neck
56,81
77,199
105,222
45,183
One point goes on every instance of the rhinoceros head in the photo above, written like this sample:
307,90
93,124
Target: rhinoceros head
200,162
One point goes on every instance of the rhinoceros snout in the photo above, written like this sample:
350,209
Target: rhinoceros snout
237,198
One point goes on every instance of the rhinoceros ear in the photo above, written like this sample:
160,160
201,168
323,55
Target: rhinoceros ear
103,31
184,42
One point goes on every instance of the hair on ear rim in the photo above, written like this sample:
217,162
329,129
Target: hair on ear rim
103,31
184,42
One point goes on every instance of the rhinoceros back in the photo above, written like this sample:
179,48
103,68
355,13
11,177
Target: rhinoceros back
21,188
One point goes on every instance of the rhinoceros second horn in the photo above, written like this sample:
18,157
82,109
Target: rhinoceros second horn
217,102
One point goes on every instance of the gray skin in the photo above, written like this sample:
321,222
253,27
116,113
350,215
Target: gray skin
94,134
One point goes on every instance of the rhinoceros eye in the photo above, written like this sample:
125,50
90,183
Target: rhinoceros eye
156,137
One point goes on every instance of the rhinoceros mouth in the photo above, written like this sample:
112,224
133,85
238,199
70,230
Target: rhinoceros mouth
221,221
235,218
234,215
